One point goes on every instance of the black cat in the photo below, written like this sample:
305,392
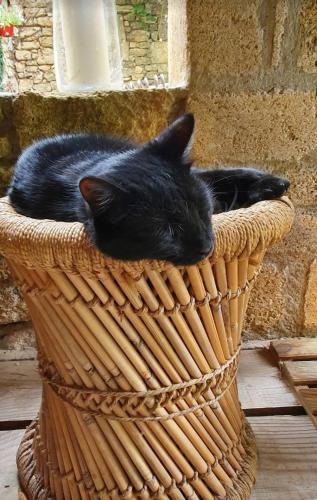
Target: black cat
136,202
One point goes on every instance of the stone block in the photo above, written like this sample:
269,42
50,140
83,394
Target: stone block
25,85
226,41
40,4
28,45
307,37
23,55
49,76
47,31
46,41
253,127
34,12
38,78
17,336
5,147
278,298
267,302
5,176
20,67
44,21
45,57
12,306
43,87
142,60
281,12
129,17
143,45
302,176
138,36
159,52
124,9
310,307
31,69
30,33
140,114
138,52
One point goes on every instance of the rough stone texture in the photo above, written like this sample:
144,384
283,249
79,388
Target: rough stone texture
224,38
12,307
251,127
9,81
302,175
5,176
310,308
29,55
277,302
307,57
4,271
253,92
31,47
279,30
143,42
17,336
268,290
140,114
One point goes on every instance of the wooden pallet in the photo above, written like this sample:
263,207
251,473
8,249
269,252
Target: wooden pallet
286,439
298,363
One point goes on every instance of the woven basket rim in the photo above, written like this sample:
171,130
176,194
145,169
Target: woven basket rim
49,244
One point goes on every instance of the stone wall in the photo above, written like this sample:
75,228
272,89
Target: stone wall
253,91
29,64
30,51
143,39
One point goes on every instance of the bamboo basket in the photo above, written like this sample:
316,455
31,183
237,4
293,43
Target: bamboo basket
138,361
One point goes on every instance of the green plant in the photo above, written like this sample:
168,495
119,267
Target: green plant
10,16
143,17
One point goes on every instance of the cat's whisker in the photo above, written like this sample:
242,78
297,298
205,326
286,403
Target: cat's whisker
223,179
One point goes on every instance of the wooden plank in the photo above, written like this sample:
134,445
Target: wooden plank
20,390
308,397
301,372
301,348
14,355
262,390
287,458
9,442
256,344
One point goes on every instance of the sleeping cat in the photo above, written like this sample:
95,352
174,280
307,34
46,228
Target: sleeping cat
136,202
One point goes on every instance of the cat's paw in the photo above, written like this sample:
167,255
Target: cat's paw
268,187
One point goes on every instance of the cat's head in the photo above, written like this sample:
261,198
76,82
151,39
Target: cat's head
145,203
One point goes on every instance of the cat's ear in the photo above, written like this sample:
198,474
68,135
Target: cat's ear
175,141
98,193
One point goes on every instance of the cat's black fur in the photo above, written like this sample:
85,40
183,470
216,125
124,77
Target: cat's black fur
136,201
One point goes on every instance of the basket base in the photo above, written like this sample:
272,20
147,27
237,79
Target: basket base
33,488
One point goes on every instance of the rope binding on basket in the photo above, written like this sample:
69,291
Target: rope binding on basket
210,386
